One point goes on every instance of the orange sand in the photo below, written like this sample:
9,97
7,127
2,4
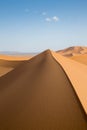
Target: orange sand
81,58
77,74
38,95
8,63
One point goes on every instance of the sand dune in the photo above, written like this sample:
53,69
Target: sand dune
38,95
77,74
81,58
73,51
8,63
6,66
4,70
14,58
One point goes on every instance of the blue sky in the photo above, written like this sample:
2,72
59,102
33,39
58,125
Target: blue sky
36,25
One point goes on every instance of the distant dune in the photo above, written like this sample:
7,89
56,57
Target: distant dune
73,51
15,58
6,66
8,63
81,58
44,93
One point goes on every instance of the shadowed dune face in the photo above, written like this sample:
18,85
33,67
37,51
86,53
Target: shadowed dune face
7,66
77,74
4,70
12,64
38,95
73,51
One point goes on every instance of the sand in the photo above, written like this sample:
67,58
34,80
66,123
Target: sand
82,58
73,51
8,63
77,74
15,58
38,95
4,70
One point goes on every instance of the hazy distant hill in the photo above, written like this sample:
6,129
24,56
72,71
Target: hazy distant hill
72,51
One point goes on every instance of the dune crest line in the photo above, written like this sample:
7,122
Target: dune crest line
77,74
38,95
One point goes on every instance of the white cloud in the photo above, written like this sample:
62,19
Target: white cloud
55,19
48,19
52,19
44,13
26,10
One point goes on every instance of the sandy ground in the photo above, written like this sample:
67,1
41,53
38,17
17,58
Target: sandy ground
81,58
8,63
77,74
38,95
14,58
4,70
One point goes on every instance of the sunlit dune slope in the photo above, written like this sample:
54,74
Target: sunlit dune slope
4,70
8,63
14,58
38,95
7,66
73,51
81,58
77,74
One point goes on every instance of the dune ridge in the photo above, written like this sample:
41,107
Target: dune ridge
38,95
77,74
8,63
73,51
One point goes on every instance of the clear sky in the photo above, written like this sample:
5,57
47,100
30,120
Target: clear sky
36,25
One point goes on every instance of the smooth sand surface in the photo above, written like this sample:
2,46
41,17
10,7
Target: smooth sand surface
38,95
81,58
6,66
8,63
14,58
77,74
4,70
73,51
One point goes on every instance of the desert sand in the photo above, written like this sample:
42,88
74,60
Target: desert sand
8,63
73,51
15,58
81,58
43,94
77,74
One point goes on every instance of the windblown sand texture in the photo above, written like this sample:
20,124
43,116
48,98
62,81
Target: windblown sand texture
40,94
